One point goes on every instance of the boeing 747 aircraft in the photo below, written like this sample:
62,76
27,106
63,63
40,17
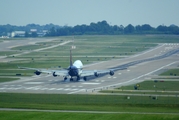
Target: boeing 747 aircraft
74,70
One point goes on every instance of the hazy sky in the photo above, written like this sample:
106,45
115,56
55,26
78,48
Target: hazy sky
77,12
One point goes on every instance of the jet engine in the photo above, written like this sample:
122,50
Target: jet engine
37,72
54,75
111,72
96,74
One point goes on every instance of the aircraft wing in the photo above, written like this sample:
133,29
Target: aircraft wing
60,73
86,73
37,69
96,73
48,71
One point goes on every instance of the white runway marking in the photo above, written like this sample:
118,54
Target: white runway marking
67,89
29,88
60,89
36,88
2,88
119,73
33,83
91,83
44,89
52,89
74,89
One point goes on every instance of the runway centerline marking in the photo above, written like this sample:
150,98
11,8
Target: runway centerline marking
91,83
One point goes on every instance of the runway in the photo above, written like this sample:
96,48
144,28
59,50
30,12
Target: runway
139,67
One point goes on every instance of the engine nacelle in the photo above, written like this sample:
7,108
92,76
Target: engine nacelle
54,75
37,72
111,72
96,74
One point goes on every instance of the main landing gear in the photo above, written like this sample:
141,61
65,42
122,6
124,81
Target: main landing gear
72,79
85,78
65,78
77,78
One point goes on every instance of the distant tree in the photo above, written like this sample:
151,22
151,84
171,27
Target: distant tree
162,28
173,29
138,29
52,32
129,29
101,27
146,27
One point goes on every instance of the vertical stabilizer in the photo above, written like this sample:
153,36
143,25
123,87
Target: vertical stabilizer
70,58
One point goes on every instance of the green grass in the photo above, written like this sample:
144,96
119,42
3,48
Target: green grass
89,102
160,87
28,47
14,115
6,53
151,85
171,72
2,79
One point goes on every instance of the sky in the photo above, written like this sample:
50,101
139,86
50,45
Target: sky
78,12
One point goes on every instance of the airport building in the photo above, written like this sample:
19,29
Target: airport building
22,33
18,34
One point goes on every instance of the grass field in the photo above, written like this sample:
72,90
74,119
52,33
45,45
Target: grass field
5,79
89,102
160,87
85,116
171,72
138,107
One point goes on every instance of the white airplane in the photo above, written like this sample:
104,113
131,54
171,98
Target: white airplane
74,70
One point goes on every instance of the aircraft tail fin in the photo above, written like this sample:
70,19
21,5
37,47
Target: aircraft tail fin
70,58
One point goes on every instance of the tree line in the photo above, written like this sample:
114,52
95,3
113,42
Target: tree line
103,28
99,28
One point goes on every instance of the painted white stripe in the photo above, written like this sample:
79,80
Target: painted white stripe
91,83
33,83
43,88
60,89
36,89
52,89
74,89
67,89
2,88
